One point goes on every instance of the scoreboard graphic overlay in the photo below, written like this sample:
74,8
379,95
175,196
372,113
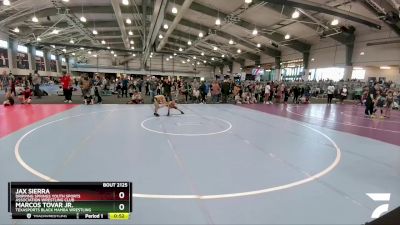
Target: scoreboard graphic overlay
70,200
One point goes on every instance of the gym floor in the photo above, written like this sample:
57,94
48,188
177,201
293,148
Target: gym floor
216,164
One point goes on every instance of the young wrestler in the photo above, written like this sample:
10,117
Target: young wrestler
160,101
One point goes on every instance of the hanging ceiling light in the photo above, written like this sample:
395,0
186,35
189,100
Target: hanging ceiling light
125,2
55,31
170,56
255,31
103,42
130,33
115,55
198,63
73,53
71,41
239,51
112,52
95,32
35,19
132,42
16,30
180,49
128,21
83,19
167,59
174,10
362,53
64,50
89,52
65,0
108,47
82,48
217,21
95,56
215,48
258,45
160,36
6,2
132,47
231,42
133,54
188,60
295,14
165,26
202,53
247,1
53,46
38,39
287,36
204,61
189,42
201,34
212,59
335,22
223,56
194,57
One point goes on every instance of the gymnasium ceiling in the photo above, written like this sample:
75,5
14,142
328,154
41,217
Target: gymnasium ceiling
277,29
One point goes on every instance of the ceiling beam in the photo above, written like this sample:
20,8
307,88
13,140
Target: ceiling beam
322,8
392,22
121,24
276,36
175,21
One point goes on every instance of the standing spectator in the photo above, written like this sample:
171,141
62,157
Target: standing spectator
30,79
125,82
330,91
167,85
12,83
267,93
343,94
203,92
66,83
215,91
5,81
36,81
225,91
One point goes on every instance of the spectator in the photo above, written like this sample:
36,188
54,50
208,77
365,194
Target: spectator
9,99
36,81
330,91
66,83
25,96
215,92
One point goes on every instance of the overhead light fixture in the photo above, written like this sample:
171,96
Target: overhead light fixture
83,19
295,14
385,67
287,36
362,53
65,0
165,26
82,48
202,53
231,42
112,52
170,56
239,51
160,36
108,47
71,41
255,31
217,21
358,68
35,19
89,52
183,61
132,42
115,55
6,2
180,49
130,33
125,2
55,31
212,59
38,39
133,47
174,10
247,1
198,63
204,61
95,56
167,59
151,56
188,60
312,59
223,56
335,22
215,48
128,21
73,54
133,54
103,42
16,30
64,50
189,42
95,32
53,46
258,45
194,57
201,34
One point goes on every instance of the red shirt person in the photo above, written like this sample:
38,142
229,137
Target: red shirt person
66,83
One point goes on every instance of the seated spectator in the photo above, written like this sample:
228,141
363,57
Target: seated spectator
196,95
25,96
238,100
9,99
136,98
